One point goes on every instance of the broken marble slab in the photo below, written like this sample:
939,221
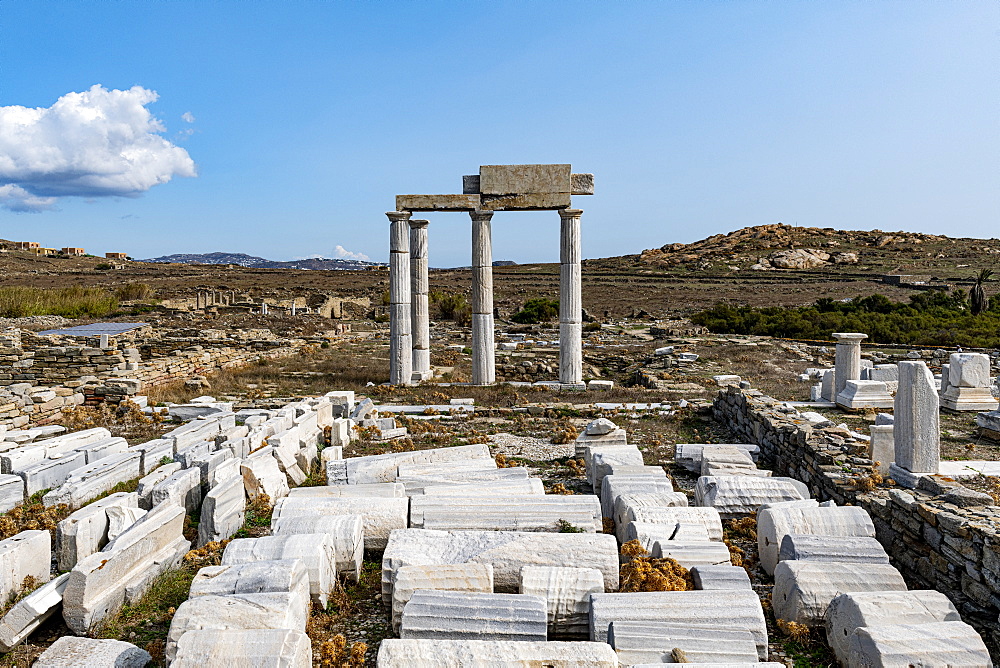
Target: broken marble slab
23,555
615,485
453,577
724,469
519,487
730,455
626,501
463,615
507,551
151,480
736,609
208,463
152,454
600,462
526,512
92,480
688,455
393,653
692,553
316,551
102,582
182,488
382,468
848,612
804,589
617,437
11,492
279,575
230,468
30,612
668,518
459,466
85,531
934,644
49,473
737,495
417,484
251,648
73,652
720,577
845,549
381,515
387,489
222,512
262,477
102,448
347,532
121,519
271,610
567,593
775,523
650,642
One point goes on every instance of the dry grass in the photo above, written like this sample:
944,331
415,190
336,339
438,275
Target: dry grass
126,420
643,573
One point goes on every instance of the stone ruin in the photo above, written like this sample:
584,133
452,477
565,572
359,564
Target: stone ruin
495,188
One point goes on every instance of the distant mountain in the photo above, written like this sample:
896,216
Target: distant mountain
244,260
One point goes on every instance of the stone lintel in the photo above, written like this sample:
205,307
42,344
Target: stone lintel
437,202
513,179
582,184
470,184
526,202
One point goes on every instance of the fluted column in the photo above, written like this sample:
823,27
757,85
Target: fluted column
418,307
483,354
400,346
570,299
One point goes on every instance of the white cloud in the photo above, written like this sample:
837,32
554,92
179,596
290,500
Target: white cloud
345,254
187,117
97,143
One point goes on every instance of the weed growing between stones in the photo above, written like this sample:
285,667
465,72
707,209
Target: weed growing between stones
32,516
567,527
347,633
29,585
744,528
643,573
257,520
560,488
126,420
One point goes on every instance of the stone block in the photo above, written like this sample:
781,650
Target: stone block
507,551
100,583
92,480
689,455
256,648
152,453
182,488
437,202
720,577
11,492
934,644
655,642
223,511
729,455
775,523
272,610
625,502
882,446
462,615
517,179
316,551
418,484
72,652
734,496
383,489
49,473
848,612
844,549
30,612
347,532
121,519
261,476
969,370
567,593
394,653
737,610
692,553
613,486
647,517
804,589
381,515
26,554
603,459
497,488
917,430
151,480
382,468
858,394
102,448
229,468
208,463
452,577
969,399
283,575
528,512
85,531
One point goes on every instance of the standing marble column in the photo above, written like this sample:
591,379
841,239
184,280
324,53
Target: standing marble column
916,425
483,351
570,299
418,307
847,362
400,346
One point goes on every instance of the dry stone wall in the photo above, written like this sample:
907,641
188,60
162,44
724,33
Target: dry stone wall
941,535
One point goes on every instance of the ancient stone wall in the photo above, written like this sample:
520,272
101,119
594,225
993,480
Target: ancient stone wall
941,536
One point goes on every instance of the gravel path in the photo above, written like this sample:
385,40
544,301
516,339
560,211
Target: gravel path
533,449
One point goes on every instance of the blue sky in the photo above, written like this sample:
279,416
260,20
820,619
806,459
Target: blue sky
308,117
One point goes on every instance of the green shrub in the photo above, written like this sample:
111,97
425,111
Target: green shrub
592,327
537,310
103,266
932,318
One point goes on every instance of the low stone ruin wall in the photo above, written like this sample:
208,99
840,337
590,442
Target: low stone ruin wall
942,536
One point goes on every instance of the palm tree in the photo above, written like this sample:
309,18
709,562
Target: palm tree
977,296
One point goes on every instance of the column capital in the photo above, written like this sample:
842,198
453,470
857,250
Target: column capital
481,214
417,224
570,213
395,216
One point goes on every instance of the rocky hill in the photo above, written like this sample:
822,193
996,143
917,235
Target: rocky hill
244,260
